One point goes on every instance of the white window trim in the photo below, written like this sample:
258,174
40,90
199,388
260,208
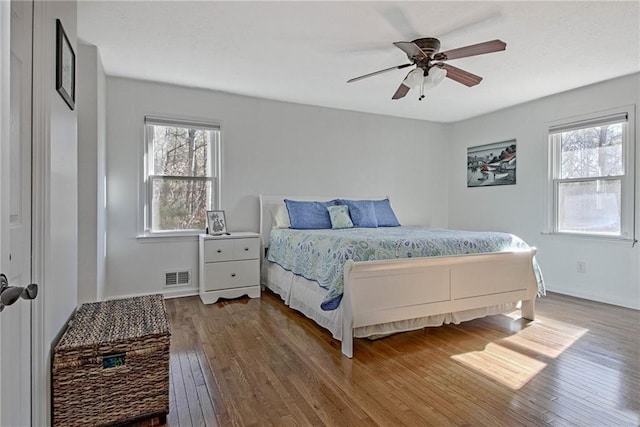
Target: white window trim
628,202
144,232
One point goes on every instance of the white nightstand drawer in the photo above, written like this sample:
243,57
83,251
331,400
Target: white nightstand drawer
246,248
231,274
218,250
229,266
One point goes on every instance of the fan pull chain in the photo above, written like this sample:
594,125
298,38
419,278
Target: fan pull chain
421,97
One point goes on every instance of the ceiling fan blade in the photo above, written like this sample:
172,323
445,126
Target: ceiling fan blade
375,73
472,50
412,50
401,92
459,75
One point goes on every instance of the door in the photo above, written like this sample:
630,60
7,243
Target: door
15,209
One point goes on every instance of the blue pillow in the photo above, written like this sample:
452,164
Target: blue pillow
363,212
309,215
384,214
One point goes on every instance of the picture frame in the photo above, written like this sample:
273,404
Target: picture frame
65,67
216,223
492,164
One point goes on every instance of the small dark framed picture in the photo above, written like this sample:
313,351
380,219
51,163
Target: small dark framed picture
65,67
216,223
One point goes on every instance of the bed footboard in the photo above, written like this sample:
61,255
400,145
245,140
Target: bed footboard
390,290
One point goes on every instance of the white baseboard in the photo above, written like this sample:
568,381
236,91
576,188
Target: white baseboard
607,299
167,294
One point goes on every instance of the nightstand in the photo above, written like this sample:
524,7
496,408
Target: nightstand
229,266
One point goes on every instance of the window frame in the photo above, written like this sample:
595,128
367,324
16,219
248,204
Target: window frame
627,179
148,178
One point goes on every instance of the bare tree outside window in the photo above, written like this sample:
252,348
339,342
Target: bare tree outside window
592,152
589,173
182,176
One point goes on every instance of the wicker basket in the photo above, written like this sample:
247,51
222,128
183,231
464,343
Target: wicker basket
111,365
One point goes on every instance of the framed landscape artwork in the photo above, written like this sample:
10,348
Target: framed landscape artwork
492,164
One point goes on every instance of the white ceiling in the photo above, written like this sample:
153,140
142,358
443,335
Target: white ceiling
305,51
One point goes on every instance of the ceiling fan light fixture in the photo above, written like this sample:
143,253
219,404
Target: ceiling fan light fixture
415,78
435,76
419,79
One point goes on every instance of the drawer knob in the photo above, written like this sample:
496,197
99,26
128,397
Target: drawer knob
233,274
246,249
219,251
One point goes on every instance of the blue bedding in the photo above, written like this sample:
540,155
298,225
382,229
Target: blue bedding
320,255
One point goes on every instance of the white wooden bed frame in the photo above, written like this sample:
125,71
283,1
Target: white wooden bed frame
423,286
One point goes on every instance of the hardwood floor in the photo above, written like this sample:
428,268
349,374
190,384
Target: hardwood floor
256,362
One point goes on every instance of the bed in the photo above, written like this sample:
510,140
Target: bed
419,283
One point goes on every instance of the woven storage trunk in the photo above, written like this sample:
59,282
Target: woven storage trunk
111,365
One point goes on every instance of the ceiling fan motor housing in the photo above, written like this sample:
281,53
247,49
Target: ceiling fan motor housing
428,45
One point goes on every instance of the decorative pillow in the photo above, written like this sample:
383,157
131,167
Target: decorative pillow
363,212
384,214
340,216
281,217
309,215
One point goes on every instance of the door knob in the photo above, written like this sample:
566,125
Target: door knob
30,291
10,294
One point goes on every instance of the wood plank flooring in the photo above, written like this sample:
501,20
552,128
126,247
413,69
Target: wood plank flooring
255,362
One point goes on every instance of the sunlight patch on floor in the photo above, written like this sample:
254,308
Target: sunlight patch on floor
501,361
515,314
547,337
506,366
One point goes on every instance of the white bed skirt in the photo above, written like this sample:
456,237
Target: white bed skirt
306,296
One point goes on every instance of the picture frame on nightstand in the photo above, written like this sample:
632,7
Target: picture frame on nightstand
216,223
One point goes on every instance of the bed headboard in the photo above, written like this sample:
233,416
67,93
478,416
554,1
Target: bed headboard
269,204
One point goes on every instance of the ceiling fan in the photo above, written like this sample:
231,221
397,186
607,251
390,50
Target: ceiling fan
430,70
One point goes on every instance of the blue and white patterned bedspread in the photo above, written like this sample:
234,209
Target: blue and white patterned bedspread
320,255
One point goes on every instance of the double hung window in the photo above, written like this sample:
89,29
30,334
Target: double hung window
182,181
592,175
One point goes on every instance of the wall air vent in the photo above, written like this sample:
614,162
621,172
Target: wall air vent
177,278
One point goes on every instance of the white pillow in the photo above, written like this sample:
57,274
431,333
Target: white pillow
281,217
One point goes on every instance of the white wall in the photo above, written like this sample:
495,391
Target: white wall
55,202
58,148
268,147
91,99
612,268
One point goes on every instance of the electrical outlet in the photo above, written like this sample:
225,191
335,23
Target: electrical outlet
581,267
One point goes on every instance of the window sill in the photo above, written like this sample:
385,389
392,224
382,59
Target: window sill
594,238
168,237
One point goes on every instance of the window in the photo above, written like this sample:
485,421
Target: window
182,179
592,175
